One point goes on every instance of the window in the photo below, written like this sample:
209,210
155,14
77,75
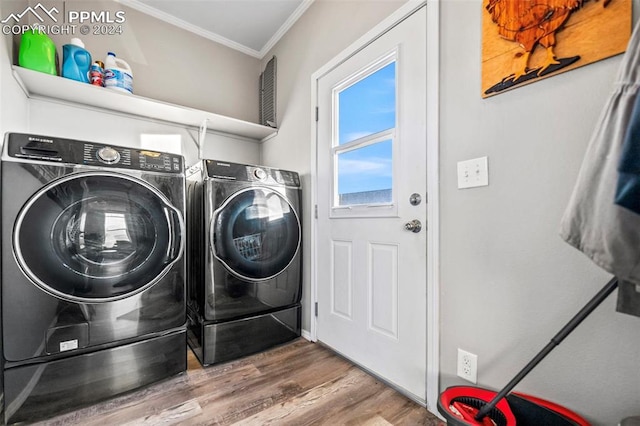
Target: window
365,174
363,136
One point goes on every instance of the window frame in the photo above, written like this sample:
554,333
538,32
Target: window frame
387,209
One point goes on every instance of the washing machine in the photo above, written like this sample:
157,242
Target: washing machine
244,282
93,272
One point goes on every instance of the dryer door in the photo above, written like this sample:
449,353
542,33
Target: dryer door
97,237
256,234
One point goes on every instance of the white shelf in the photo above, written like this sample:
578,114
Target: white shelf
39,85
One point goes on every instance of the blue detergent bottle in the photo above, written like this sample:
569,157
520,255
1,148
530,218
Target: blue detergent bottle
76,61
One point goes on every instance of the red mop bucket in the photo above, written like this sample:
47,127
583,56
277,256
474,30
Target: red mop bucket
460,406
472,406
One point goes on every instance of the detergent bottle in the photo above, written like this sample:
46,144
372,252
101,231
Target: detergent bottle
117,74
38,52
76,61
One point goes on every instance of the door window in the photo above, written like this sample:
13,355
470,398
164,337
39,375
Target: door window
363,136
97,237
257,234
365,174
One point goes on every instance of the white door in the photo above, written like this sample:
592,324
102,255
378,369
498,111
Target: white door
371,150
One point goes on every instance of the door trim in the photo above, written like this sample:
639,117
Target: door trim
433,180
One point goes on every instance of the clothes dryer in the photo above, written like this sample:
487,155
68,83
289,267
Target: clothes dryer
93,272
244,259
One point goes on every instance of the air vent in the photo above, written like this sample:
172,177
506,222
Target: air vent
268,95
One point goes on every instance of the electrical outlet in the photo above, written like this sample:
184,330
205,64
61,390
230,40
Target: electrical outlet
468,366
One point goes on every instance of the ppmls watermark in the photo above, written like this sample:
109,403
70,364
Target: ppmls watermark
73,21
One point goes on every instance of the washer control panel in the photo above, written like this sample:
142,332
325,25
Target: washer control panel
259,174
248,173
69,151
108,155
100,155
132,158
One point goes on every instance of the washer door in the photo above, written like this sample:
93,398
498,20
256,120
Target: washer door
97,237
256,234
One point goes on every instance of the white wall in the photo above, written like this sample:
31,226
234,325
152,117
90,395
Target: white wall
508,282
325,29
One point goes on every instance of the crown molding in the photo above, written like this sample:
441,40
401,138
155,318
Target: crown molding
285,27
170,19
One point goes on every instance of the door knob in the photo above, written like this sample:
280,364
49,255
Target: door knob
413,226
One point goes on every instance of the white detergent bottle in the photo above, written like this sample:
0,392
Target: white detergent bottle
117,74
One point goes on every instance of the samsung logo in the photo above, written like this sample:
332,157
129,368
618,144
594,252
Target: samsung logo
34,139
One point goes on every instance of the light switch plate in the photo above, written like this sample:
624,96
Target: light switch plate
472,173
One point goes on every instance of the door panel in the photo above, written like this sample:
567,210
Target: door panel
383,288
342,284
97,237
257,234
371,271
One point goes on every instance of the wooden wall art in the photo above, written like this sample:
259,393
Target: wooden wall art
524,41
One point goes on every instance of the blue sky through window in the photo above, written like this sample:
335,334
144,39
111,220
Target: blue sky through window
365,108
365,169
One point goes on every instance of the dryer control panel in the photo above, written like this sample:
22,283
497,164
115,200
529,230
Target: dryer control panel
249,173
69,151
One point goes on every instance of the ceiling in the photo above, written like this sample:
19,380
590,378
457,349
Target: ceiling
250,26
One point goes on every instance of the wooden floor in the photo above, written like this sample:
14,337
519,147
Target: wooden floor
300,383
